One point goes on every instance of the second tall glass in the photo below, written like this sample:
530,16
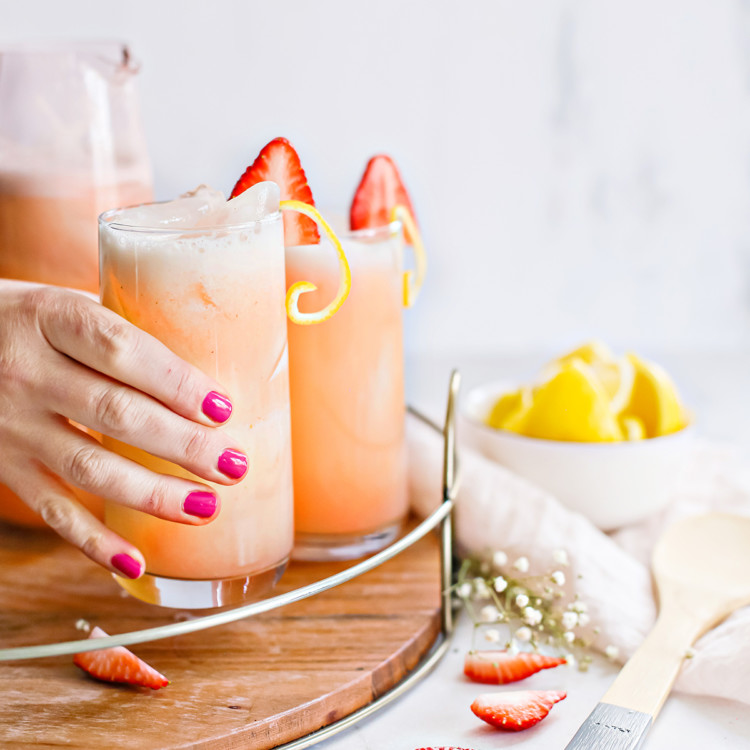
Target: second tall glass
347,393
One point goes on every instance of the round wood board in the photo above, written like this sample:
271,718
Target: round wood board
254,684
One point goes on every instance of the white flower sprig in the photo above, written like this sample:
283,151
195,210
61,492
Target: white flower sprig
497,593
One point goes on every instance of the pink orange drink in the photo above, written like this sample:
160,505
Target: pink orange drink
347,385
206,277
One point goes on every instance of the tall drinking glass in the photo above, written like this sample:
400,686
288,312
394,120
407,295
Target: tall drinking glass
217,297
347,386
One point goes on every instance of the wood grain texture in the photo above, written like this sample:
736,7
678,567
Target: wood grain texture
252,684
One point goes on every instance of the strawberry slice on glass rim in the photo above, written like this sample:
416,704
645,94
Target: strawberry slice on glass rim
381,198
280,163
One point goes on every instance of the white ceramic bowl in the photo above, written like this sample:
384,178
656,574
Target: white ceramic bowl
612,484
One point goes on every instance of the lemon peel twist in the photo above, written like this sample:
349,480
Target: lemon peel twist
299,288
413,280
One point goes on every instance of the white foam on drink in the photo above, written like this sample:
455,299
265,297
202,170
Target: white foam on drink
205,207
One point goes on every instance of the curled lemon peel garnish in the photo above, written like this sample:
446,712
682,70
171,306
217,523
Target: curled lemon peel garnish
303,287
413,280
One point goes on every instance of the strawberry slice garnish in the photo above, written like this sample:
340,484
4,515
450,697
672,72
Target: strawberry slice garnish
379,191
118,665
279,162
501,667
515,711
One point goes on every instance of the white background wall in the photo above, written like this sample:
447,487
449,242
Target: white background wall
578,167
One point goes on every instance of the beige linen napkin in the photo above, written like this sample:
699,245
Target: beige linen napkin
496,509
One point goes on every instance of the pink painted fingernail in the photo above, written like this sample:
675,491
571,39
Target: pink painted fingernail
200,504
233,464
217,407
127,565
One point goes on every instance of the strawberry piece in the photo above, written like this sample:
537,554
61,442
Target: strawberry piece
380,189
118,665
501,667
516,710
279,162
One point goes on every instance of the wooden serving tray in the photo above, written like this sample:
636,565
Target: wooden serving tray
256,684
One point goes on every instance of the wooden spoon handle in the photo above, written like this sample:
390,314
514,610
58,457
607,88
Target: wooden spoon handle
645,681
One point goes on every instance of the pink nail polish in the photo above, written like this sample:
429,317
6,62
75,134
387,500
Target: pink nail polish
127,565
217,407
233,464
200,504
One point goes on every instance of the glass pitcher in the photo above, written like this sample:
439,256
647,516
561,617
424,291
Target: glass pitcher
71,147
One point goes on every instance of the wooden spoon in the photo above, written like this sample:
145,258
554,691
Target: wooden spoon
701,567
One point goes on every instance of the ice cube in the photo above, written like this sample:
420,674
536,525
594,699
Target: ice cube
197,208
257,202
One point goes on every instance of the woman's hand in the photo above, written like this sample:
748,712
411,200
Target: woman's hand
65,357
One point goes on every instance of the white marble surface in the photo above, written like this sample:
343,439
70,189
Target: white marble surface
436,712
576,166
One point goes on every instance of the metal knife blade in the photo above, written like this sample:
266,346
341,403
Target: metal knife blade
611,727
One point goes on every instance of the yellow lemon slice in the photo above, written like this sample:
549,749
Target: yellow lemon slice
632,428
654,399
591,352
302,287
510,410
572,405
413,280
617,378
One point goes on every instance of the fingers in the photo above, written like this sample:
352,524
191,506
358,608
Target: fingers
105,342
78,459
57,505
137,419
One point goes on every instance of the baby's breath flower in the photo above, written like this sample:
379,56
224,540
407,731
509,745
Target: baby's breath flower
612,652
569,620
522,565
464,590
578,606
569,636
83,625
689,653
521,601
558,577
492,635
489,613
532,616
560,556
499,559
481,588
523,634
500,584
570,659
583,619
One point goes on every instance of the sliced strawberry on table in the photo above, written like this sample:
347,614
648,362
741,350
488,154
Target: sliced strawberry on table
501,667
279,162
118,665
379,191
515,711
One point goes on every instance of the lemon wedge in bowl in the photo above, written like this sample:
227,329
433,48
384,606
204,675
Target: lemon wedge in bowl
653,399
510,410
572,405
